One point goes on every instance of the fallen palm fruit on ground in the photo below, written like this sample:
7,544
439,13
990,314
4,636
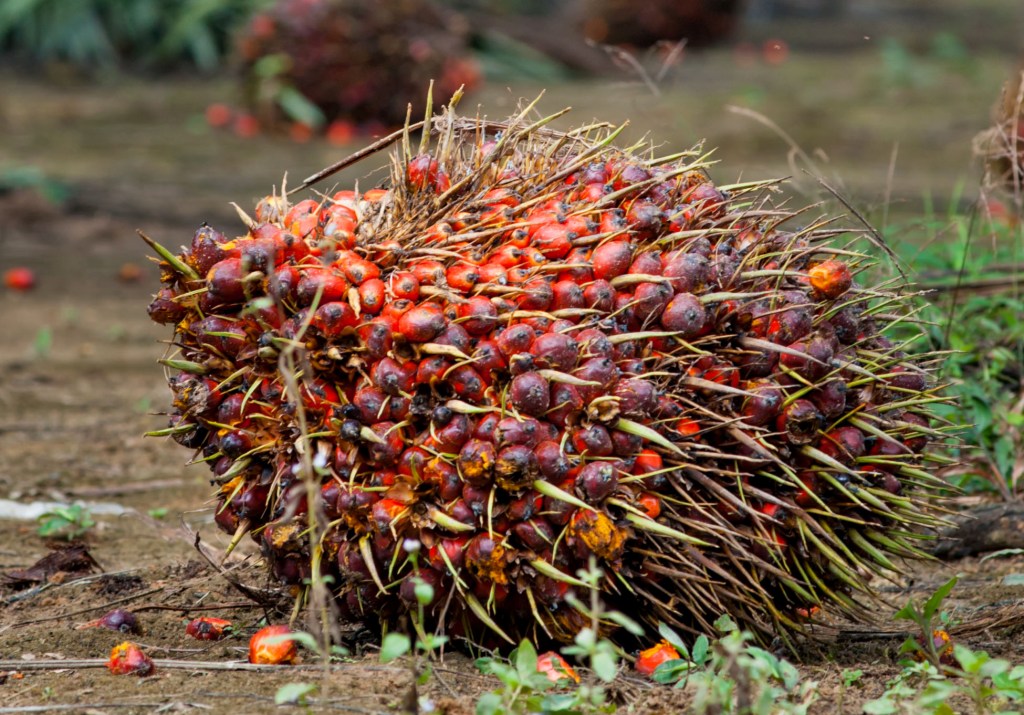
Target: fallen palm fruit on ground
530,350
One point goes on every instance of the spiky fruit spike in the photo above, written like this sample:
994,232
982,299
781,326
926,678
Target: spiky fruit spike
670,393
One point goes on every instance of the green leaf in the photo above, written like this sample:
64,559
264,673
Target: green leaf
424,592
625,621
700,649
882,706
394,645
605,665
299,108
1013,579
725,624
932,605
666,632
294,693
525,659
489,704
999,554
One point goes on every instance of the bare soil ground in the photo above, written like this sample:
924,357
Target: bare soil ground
79,382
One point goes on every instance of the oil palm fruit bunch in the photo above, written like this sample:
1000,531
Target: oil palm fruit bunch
357,61
698,22
529,351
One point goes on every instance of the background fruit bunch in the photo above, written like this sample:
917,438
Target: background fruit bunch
531,351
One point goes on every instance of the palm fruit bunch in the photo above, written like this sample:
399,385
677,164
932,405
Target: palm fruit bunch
698,22
530,351
357,61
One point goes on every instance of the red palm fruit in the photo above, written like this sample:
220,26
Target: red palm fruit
815,363
226,282
553,240
594,173
688,427
515,339
530,394
708,201
647,263
599,295
260,254
462,277
485,427
477,315
905,378
788,326
375,336
444,477
612,259
476,462
624,444
649,660
315,280
508,256
428,272
461,512
393,377
165,309
800,421
637,397
510,430
762,407
206,249
371,403
650,504
601,372
486,559
387,512
650,300
128,659
644,217
527,504
422,323
554,351
685,315
597,481
555,668
537,294
207,628
235,443
612,221
647,461
271,646
566,401
450,436
844,444
334,319
412,461
493,274
487,357
688,271
628,175
595,533
516,467
282,283
577,266
467,383
371,296
454,549
594,343
592,441
846,324
535,534
915,440
830,398
404,285
432,369
388,446
434,579
830,279
212,332
455,336
421,171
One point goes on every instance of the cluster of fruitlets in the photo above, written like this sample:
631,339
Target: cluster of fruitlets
358,61
530,351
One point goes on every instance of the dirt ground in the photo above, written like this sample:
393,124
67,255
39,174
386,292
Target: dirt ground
79,383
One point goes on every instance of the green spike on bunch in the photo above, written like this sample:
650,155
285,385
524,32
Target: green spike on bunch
528,349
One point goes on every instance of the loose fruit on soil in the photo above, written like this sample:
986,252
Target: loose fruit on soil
529,349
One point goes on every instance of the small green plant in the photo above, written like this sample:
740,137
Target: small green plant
731,675
926,685
68,522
